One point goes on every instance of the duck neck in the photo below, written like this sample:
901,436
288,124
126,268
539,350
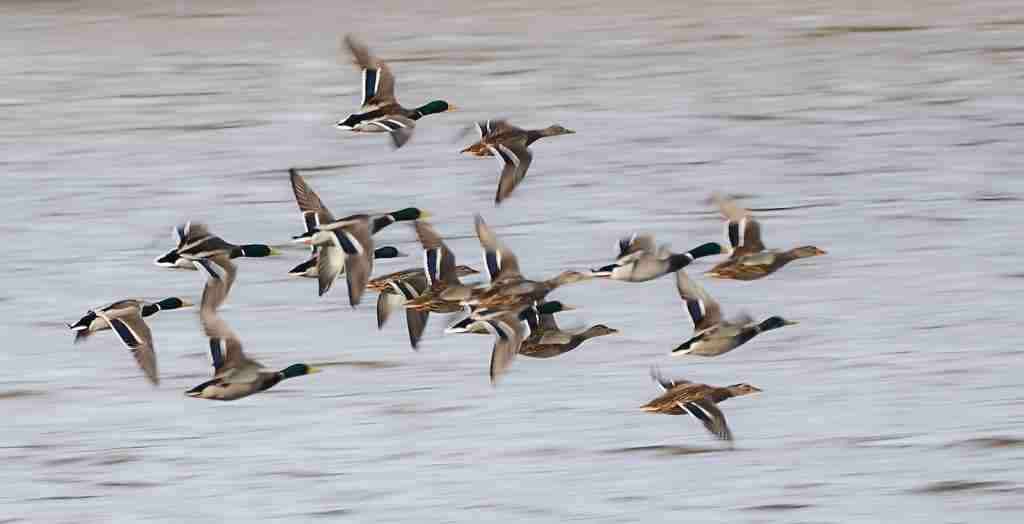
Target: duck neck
592,332
678,261
720,394
253,251
534,135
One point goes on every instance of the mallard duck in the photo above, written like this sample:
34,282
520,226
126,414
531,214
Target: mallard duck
345,243
713,336
440,271
380,112
125,318
639,260
396,288
383,284
308,269
469,324
749,260
511,145
511,331
420,292
547,340
316,216
682,397
508,291
194,240
235,376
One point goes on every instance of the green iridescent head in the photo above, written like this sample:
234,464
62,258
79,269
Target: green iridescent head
297,370
437,106
409,213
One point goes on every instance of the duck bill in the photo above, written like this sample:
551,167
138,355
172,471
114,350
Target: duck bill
451,108
790,323
311,369
274,252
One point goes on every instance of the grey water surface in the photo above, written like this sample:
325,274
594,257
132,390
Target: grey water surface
890,136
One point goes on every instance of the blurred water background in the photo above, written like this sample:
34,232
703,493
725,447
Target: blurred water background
889,135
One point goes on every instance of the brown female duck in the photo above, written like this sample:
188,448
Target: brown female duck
749,260
682,397
510,144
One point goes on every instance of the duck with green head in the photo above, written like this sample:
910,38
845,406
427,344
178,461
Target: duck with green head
125,318
235,376
328,260
195,241
712,334
380,111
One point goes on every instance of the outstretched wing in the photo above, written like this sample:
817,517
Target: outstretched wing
378,84
313,210
515,159
713,419
704,310
509,333
221,272
135,334
438,260
741,229
501,262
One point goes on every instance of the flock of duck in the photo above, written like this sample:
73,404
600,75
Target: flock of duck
510,307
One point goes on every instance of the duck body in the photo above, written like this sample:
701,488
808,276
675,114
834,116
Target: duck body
380,111
748,258
308,269
125,318
419,292
759,265
235,375
337,244
682,397
547,340
713,335
639,260
510,145
196,242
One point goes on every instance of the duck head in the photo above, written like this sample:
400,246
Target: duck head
738,390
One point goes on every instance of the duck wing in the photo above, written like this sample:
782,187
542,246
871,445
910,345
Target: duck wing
493,127
703,309
664,383
708,413
502,264
515,159
136,336
400,127
509,333
438,260
330,263
353,236
378,83
221,273
229,361
635,245
314,212
742,230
